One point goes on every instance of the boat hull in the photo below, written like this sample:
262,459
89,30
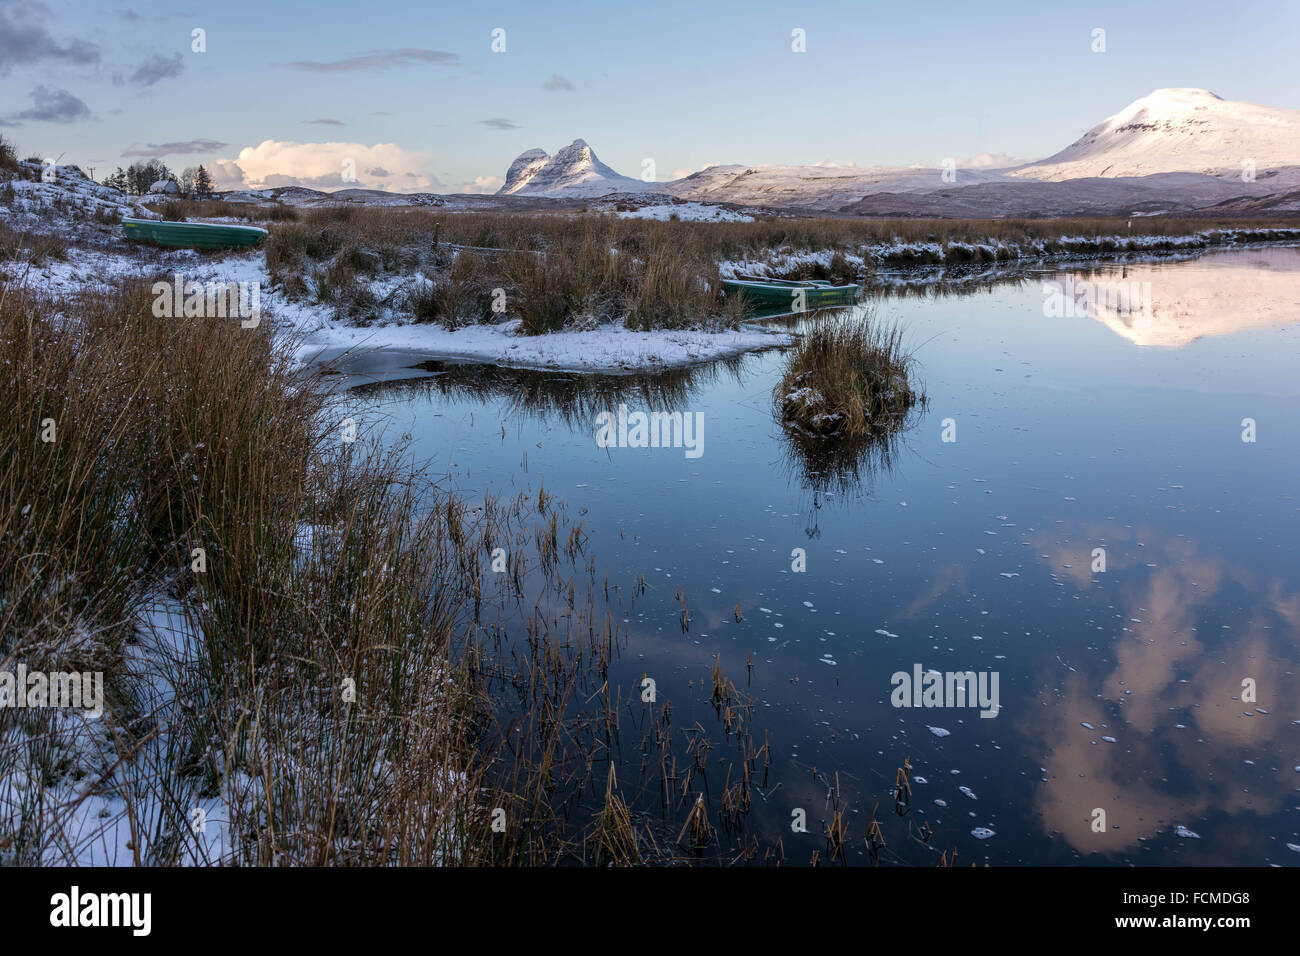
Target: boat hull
764,296
193,235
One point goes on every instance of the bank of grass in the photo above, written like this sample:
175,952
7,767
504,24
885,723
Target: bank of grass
30,248
299,633
561,270
149,462
549,273
181,210
848,379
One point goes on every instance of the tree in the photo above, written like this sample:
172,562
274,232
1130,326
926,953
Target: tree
140,176
118,180
186,182
203,183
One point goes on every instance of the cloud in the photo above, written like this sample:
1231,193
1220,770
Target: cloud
482,184
377,60
324,122
156,68
49,106
25,41
155,150
1160,670
557,82
322,166
500,123
989,161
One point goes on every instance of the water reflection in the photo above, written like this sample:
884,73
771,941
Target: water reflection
1159,728
970,554
1221,293
569,397
1165,302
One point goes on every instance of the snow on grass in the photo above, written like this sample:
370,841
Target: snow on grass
89,269
607,348
687,212
62,204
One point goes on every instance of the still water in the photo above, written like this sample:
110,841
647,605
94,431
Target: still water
1097,509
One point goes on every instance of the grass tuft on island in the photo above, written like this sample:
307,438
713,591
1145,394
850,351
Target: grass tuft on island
848,378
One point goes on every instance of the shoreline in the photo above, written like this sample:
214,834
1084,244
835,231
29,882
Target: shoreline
608,348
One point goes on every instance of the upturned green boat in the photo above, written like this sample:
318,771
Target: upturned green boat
790,295
193,235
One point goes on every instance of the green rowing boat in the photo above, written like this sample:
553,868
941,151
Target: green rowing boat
790,295
193,235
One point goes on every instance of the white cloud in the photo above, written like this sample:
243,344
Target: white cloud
989,161
323,166
482,184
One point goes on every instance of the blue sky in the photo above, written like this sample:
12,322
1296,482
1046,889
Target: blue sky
684,84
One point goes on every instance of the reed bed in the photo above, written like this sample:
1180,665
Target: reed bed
581,269
180,210
28,247
343,673
549,273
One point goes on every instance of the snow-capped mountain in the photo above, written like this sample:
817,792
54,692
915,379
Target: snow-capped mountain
1185,131
823,187
1174,150
572,172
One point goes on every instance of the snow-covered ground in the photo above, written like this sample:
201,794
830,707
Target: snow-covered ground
66,208
607,348
687,212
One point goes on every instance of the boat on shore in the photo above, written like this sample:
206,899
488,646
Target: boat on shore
193,235
791,295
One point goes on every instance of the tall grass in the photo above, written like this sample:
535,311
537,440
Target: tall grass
335,673
180,210
551,273
559,270
187,463
29,247
848,378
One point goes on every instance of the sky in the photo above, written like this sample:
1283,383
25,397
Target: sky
412,96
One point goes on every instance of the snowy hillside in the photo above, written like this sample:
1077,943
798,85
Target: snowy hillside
1183,130
825,188
572,172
